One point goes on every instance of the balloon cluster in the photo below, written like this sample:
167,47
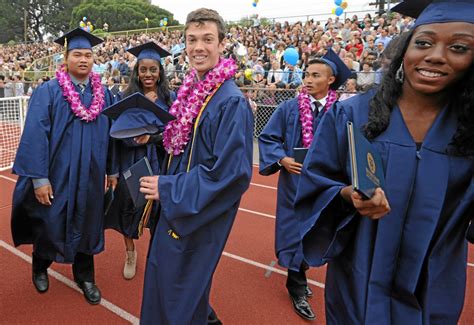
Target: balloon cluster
86,25
254,3
164,22
341,5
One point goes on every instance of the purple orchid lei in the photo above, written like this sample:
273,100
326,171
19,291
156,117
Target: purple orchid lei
72,97
189,101
306,114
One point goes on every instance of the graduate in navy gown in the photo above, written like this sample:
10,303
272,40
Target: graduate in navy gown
282,134
399,257
205,175
61,164
148,77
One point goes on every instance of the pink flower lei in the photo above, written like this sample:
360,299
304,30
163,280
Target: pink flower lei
72,97
189,101
306,114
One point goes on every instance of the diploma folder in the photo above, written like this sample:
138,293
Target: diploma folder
366,165
132,178
300,154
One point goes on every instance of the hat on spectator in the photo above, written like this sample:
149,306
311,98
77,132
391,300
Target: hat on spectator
78,39
136,115
437,11
149,50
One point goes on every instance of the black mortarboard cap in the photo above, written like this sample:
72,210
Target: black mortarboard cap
149,50
136,115
437,11
78,39
338,67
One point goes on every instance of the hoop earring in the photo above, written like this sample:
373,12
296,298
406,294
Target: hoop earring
400,74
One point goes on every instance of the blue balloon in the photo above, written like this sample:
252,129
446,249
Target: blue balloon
254,4
165,19
291,56
161,23
337,2
339,11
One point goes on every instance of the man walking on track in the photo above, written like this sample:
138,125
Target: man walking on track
208,168
290,129
61,164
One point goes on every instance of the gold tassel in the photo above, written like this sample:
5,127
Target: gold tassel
145,217
65,53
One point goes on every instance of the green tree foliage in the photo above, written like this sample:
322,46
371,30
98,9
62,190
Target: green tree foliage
43,17
120,14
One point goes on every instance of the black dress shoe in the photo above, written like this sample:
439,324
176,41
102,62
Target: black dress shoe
308,292
212,319
91,292
302,307
41,281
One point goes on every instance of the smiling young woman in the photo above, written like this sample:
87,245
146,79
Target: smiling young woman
399,257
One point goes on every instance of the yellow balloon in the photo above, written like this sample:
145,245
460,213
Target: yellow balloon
344,5
248,74
333,11
165,23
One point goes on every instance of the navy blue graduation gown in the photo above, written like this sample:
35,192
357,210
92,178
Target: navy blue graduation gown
72,154
200,207
123,216
277,140
410,266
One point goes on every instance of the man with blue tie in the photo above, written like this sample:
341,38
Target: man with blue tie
61,164
291,127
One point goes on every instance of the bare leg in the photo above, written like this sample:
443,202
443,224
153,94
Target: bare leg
129,245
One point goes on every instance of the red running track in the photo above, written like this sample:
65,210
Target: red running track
246,290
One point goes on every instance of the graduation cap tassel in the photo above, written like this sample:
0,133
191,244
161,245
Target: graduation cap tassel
145,217
65,53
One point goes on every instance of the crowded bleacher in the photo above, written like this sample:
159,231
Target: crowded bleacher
259,48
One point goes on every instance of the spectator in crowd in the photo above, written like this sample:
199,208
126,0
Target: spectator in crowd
113,85
124,81
169,68
123,67
275,74
384,37
292,77
18,86
366,77
350,89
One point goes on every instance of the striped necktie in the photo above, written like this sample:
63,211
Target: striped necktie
82,87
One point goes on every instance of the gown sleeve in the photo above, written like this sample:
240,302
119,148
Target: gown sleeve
112,167
271,142
191,200
326,220
32,158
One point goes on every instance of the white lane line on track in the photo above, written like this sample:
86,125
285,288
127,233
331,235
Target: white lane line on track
71,284
257,213
8,178
264,186
470,264
266,267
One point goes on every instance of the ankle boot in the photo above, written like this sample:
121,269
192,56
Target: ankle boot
130,266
